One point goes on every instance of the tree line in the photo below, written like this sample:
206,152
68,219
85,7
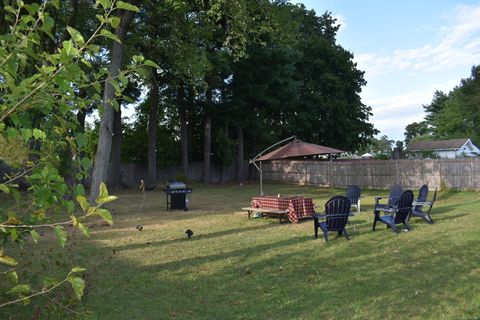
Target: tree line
260,72
451,115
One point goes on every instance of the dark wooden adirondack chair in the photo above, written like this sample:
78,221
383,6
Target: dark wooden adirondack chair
395,193
353,195
396,214
337,211
421,201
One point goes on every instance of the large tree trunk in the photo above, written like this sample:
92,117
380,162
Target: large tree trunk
207,139
116,165
102,157
152,134
240,155
207,148
183,128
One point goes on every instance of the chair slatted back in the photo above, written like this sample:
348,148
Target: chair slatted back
422,196
353,193
404,206
337,210
395,193
433,201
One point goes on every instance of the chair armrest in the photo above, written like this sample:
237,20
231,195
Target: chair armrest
378,198
421,203
389,209
319,216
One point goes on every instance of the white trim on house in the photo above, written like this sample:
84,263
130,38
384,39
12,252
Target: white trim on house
468,149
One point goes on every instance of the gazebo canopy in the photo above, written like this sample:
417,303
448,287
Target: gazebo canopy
296,149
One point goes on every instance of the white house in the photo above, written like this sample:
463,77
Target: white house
453,148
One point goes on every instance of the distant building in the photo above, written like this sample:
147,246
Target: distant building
453,148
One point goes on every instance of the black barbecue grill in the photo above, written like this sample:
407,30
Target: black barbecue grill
177,195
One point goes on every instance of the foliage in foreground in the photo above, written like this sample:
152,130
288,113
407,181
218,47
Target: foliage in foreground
41,89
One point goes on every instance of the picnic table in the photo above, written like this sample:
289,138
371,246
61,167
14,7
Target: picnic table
297,207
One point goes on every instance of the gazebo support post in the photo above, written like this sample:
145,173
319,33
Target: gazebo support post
261,179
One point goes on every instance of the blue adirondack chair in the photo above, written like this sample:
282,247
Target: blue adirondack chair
353,194
397,213
337,211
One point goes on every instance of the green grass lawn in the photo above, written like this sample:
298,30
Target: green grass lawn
239,268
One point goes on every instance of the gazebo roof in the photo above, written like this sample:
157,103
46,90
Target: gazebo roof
296,149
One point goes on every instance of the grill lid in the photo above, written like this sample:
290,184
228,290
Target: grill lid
176,185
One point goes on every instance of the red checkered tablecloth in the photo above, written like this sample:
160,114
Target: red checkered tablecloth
298,207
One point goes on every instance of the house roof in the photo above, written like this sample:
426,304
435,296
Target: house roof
437,145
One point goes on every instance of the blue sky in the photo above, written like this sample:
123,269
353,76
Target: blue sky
408,49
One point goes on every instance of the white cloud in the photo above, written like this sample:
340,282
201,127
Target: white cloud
391,115
342,21
458,44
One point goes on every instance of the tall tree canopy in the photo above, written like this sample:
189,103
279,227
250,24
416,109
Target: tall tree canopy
452,115
286,75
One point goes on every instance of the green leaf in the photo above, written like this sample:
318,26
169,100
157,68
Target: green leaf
78,285
114,22
78,269
67,48
39,134
56,3
105,3
61,235
21,288
152,64
126,6
49,282
70,206
110,35
79,190
26,134
12,276
12,67
84,229
9,261
76,36
74,220
107,199
4,188
35,236
138,59
103,190
83,203
14,236
86,163
81,140
105,215
12,133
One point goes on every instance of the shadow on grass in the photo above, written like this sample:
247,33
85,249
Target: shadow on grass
386,276
197,237
255,281
284,273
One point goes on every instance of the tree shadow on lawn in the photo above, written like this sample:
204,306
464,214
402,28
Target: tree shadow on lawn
388,279
384,276
196,237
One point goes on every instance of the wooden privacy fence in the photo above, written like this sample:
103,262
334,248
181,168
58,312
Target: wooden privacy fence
461,173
